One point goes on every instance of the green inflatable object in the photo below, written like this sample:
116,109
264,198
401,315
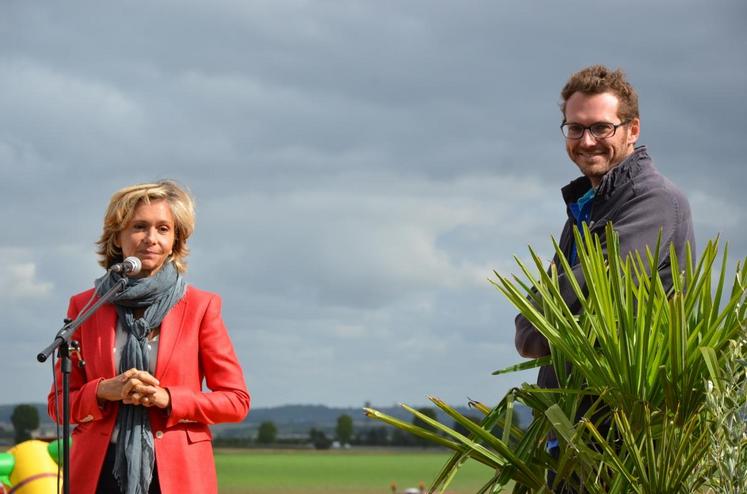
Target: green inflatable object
55,451
7,462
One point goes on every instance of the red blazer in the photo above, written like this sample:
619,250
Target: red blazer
193,346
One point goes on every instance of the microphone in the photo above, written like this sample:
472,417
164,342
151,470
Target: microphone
129,266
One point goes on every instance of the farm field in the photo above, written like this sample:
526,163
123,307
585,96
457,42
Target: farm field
357,471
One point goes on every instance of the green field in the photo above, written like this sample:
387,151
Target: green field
337,472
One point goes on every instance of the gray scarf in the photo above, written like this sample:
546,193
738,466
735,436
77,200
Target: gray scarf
134,458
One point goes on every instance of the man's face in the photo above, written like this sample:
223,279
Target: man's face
595,156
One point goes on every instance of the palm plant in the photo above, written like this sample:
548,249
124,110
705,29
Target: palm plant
635,360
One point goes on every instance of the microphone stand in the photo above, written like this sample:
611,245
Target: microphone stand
62,341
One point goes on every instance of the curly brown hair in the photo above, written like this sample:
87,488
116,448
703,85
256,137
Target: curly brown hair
122,206
598,79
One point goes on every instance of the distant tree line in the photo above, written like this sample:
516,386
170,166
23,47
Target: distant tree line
345,433
267,436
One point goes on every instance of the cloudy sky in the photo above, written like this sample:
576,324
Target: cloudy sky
360,167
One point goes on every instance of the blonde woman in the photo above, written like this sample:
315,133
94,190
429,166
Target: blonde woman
139,403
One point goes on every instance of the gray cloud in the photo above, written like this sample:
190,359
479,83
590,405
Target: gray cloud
359,167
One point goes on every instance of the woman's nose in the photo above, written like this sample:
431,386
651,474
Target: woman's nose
150,235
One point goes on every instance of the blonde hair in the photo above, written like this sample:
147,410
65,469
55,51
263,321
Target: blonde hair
122,206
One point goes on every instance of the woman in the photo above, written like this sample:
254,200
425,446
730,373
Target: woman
141,412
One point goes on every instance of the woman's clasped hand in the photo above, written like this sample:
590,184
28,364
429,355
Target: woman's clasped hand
134,387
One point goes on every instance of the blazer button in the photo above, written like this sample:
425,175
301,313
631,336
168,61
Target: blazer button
159,434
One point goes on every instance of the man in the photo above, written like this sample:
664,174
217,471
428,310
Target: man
601,126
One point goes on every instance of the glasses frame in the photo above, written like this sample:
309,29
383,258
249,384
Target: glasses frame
564,127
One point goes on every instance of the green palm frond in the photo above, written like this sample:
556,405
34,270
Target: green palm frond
635,359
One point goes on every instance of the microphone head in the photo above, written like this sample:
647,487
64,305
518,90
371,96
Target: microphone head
132,265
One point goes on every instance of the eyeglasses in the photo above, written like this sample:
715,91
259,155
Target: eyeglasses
599,130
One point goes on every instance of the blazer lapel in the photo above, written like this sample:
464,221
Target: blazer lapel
106,330
171,326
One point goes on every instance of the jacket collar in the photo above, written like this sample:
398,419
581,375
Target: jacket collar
171,326
106,317
622,173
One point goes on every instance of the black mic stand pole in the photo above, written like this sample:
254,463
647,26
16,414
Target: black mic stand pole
62,341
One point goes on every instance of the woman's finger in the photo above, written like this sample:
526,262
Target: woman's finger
147,378
129,386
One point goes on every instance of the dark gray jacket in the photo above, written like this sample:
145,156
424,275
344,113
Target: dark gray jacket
639,201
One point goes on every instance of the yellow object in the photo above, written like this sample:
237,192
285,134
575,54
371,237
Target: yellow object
35,471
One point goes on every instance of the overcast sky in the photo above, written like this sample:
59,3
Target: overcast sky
359,167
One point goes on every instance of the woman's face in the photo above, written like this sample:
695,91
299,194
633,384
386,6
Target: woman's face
149,236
